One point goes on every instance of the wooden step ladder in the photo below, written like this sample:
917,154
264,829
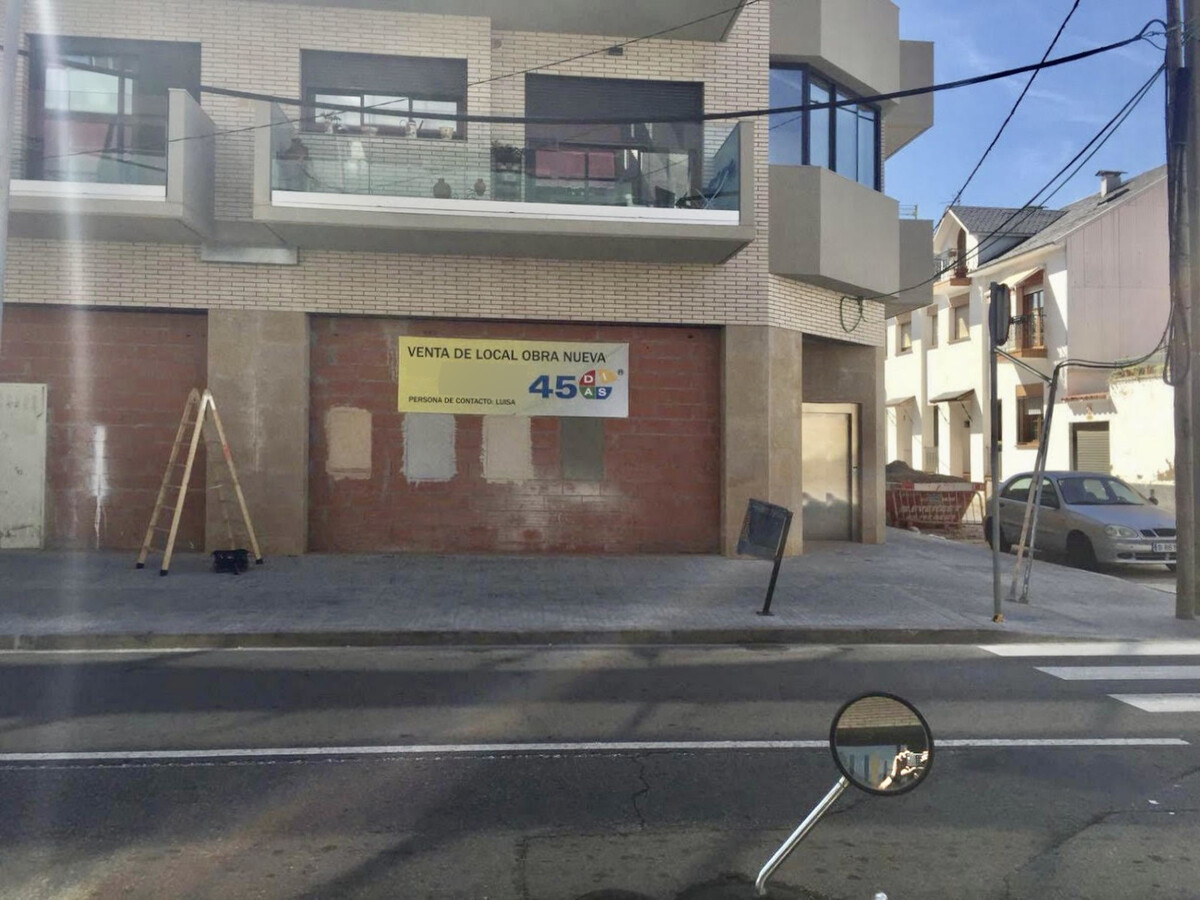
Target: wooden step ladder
197,413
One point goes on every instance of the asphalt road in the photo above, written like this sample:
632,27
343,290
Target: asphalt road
541,774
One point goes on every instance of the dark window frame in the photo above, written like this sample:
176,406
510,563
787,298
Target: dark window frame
131,131
626,148
313,123
834,88
320,86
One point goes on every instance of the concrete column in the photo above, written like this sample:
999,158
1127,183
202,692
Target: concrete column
258,371
761,426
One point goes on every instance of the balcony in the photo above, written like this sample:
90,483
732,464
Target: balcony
916,282
146,177
829,230
421,191
912,116
1028,334
854,42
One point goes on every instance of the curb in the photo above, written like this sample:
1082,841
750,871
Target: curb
631,637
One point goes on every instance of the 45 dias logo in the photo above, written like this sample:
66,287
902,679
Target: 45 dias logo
596,384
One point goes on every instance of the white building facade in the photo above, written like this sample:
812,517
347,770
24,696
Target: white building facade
1088,282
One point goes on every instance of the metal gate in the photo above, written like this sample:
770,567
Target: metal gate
1089,447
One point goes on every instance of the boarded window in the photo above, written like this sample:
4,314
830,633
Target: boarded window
582,446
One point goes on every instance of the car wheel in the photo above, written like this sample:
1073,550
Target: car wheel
1005,544
1170,567
1080,551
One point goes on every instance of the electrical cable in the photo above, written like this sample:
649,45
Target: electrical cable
1034,203
1003,125
705,117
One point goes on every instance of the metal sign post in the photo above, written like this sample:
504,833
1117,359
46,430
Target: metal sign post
999,322
764,534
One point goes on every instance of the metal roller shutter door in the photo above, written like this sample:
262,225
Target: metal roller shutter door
1090,447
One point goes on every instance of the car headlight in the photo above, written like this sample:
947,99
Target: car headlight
1121,531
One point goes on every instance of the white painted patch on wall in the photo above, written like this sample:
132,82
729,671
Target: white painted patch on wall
99,475
348,437
22,466
507,454
428,447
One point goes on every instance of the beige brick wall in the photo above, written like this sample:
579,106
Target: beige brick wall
826,313
256,46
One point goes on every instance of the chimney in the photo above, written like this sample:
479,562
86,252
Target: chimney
1110,181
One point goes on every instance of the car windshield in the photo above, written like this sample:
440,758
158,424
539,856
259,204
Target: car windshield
1095,490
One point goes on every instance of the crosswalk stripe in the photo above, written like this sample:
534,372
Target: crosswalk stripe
1121,673
1161,703
1096,648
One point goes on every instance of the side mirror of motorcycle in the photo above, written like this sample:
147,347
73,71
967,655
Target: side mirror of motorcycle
881,745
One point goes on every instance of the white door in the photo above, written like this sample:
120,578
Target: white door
22,466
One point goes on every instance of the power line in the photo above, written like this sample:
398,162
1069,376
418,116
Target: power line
683,119
1003,125
1033,203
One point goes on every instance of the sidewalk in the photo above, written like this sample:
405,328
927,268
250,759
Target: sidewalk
915,588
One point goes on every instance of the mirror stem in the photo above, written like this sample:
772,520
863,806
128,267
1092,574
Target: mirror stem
760,884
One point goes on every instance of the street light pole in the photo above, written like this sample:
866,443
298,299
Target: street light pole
8,96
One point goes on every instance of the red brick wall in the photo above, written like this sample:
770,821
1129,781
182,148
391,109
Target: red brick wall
660,493
129,374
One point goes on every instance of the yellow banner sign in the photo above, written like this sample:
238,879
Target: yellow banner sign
515,378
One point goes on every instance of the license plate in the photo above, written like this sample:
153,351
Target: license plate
1166,547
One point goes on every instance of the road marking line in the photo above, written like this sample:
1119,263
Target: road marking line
592,747
1097,648
1121,673
1161,703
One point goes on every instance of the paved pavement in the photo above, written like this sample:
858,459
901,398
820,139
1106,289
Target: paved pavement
915,587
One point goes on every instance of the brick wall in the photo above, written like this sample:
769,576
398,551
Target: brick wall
660,491
117,384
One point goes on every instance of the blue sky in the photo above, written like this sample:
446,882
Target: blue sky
1066,106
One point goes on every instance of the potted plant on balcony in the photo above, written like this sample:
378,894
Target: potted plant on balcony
508,163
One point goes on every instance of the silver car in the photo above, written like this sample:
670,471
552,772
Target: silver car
1090,518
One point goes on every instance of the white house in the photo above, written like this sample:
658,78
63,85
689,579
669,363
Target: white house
1089,281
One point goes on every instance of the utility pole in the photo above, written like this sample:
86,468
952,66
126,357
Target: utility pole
8,96
1182,187
1191,186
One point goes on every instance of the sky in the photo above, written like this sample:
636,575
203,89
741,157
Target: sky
1064,109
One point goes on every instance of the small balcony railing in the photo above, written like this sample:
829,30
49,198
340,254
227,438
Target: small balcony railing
1028,332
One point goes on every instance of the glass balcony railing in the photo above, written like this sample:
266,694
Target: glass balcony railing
91,137
687,168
